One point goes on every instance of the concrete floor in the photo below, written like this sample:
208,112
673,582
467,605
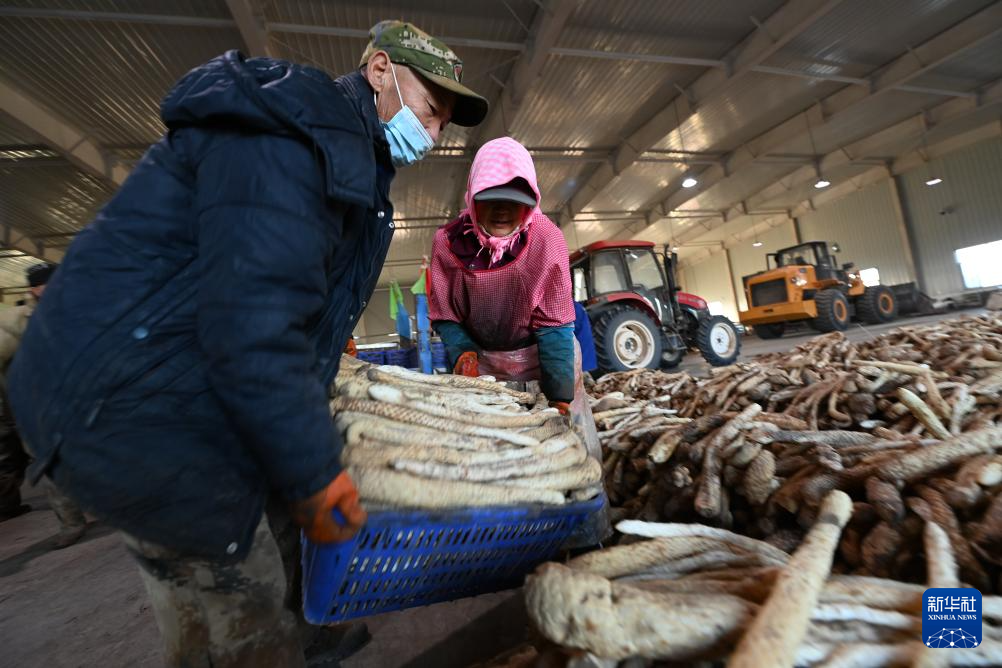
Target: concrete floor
86,606
82,606
752,345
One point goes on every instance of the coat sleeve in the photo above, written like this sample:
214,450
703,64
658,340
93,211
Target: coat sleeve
552,320
556,362
456,339
582,332
265,233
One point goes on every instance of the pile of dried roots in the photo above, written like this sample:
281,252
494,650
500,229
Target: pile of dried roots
418,441
909,424
694,593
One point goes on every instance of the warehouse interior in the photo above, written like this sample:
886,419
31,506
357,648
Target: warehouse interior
618,103
720,131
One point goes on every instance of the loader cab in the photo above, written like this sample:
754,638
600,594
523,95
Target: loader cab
815,254
804,283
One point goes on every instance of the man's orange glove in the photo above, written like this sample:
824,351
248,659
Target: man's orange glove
316,514
467,365
562,406
351,348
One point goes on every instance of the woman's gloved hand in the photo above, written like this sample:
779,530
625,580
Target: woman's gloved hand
316,516
467,365
563,407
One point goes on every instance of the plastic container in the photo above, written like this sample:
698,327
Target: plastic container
407,558
372,356
439,358
398,357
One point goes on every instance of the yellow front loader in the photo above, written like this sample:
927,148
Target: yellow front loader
804,284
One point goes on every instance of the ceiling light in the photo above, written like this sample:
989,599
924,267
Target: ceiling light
935,181
690,182
822,183
757,244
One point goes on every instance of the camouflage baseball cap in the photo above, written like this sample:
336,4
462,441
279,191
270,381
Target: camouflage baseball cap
409,45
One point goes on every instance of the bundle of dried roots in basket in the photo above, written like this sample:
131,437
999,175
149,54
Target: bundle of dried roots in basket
694,593
909,424
419,441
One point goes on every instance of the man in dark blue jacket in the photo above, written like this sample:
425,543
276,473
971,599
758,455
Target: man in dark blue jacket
176,374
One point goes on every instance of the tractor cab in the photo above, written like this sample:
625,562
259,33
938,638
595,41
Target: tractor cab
639,317
610,271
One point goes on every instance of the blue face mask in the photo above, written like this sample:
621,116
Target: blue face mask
409,141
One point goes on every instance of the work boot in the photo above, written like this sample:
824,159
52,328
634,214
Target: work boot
332,644
16,511
69,535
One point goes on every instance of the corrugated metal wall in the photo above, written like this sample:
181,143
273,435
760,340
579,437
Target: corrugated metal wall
747,259
971,194
865,225
710,279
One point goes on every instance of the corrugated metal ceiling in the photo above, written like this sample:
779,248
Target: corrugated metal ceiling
44,197
213,9
859,36
974,67
12,136
108,77
636,187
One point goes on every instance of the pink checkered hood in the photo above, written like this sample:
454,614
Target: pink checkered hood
502,306
497,163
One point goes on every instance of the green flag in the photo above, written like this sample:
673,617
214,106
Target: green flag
396,299
419,286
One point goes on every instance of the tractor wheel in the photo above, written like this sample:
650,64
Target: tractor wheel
626,338
690,328
877,304
833,311
718,340
672,358
773,330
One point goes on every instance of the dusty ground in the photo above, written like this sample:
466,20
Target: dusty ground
82,606
85,605
751,345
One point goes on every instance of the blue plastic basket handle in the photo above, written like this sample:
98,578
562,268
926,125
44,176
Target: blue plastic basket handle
338,517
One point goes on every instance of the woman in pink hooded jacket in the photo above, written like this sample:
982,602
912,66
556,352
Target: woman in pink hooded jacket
501,280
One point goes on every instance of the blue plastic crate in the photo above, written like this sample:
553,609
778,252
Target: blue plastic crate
439,357
399,357
403,559
372,356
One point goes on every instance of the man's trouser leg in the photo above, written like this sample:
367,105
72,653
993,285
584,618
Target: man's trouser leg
286,535
211,613
321,643
65,508
13,462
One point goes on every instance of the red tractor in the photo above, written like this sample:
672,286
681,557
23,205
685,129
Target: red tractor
639,317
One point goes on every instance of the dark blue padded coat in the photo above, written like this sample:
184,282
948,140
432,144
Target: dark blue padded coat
176,371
